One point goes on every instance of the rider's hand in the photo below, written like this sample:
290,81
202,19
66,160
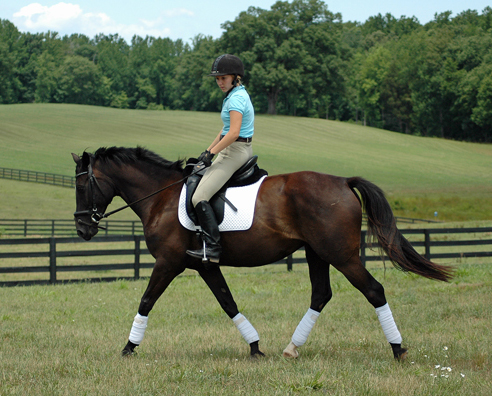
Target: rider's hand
206,157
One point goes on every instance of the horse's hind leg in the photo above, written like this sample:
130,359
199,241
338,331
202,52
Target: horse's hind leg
319,273
360,278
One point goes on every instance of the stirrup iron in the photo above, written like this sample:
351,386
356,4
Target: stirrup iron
205,258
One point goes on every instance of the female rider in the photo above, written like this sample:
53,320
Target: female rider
232,147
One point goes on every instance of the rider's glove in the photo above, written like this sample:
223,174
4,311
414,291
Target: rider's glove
206,157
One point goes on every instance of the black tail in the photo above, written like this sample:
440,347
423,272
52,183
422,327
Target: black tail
382,225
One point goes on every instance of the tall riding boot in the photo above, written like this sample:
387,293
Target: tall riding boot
211,235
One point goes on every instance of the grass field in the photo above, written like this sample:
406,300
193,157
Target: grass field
66,340
420,175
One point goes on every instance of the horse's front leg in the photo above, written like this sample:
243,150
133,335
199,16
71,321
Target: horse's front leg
319,274
161,277
215,281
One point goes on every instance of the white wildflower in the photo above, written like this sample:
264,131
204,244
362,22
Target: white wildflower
437,366
445,348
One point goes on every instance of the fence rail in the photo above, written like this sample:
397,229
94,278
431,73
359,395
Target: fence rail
435,244
64,227
37,177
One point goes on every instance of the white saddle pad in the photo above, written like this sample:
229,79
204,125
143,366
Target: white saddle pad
243,198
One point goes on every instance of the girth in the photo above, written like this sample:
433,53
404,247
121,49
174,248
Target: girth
248,174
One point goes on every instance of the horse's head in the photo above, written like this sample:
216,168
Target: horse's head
93,193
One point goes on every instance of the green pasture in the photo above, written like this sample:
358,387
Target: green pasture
420,175
66,339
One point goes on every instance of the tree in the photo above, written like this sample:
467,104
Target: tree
80,82
112,61
275,47
48,75
10,85
192,88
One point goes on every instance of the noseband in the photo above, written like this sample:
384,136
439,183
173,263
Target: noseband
93,214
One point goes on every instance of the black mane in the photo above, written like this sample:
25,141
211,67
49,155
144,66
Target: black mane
124,156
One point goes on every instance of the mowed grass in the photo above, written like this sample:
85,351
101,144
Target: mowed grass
66,339
421,176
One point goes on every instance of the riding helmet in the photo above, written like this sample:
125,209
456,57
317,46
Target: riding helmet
227,64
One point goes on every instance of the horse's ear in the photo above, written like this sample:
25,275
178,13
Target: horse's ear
76,158
86,158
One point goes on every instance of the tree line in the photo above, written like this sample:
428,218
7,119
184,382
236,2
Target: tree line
300,58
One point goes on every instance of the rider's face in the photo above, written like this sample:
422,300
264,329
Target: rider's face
224,82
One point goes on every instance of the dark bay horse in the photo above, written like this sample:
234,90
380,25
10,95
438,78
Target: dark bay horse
321,212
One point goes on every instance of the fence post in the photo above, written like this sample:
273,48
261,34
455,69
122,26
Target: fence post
136,264
52,227
25,228
289,262
427,244
363,247
52,260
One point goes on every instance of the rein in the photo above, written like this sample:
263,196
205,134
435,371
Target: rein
96,216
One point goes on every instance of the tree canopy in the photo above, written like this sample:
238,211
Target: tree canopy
300,58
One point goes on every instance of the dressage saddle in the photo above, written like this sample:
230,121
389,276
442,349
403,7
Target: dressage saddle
247,174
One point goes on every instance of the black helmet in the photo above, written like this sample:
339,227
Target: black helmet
227,64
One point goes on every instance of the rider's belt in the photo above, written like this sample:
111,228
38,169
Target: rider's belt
244,140
240,139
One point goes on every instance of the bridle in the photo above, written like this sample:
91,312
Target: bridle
96,216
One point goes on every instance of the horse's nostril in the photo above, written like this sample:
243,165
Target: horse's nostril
80,233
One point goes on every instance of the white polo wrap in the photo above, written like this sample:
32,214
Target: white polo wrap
304,327
138,329
388,324
246,329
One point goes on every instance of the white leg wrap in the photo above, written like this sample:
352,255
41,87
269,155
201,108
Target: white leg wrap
138,329
388,324
304,327
246,329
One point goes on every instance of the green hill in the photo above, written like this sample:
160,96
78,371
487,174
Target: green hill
420,175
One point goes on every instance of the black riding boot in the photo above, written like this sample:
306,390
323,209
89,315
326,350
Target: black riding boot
211,235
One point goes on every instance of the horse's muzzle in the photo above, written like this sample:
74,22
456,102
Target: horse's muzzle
86,230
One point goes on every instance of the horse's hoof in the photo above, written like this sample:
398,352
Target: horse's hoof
402,355
129,349
126,352
399,353
257,355
255,350
291,351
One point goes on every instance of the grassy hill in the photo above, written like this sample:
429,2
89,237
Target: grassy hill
420,175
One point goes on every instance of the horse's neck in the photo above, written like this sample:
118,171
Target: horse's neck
133,184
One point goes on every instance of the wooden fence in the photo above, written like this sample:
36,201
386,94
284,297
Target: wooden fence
37,177
48,256
64,227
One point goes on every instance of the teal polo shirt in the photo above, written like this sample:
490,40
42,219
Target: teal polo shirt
239,100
